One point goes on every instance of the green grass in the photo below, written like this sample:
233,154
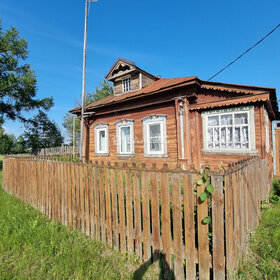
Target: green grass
263,260
32,247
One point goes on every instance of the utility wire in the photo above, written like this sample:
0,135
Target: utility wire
244,53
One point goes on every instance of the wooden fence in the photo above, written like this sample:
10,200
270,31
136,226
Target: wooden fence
62,150
154,213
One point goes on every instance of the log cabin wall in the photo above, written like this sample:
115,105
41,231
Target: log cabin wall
118,87
218,160
146,80
193,136
137,116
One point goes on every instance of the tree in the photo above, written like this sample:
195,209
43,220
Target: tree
68,124
105,89
6,142
18,83
19,146
40,132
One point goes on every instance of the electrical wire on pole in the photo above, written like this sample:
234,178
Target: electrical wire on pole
82,155
244,53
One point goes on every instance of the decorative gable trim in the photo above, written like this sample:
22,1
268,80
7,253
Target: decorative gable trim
124,121
100,125
121,65
155,117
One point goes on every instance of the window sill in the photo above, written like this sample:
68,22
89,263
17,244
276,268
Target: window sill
101,154
234,152
156,155
126,155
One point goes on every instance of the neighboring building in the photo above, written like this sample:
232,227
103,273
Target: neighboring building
185,120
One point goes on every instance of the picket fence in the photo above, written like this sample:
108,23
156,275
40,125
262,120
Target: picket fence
54,151
154,213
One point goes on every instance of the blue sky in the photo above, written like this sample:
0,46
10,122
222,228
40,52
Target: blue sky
170,38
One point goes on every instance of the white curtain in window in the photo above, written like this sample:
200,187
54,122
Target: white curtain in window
102,141
226,119
155,137
214,120
125,139
241,118
228,131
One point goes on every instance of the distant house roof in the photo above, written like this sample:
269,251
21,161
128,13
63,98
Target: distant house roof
165,85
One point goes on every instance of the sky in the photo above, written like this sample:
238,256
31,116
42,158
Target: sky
169,38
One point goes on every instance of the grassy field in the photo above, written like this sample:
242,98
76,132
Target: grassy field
263,260
32,247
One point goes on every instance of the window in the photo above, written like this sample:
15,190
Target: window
266,131
125,137
229,130
155,142
126,84
101,139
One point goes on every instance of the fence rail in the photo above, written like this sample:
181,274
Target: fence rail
154,213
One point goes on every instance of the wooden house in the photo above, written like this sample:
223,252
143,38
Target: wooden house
178,120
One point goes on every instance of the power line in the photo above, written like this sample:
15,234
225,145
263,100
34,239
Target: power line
244,53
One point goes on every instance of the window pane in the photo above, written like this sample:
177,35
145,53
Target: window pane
230,137
155,137
102,143
217,137
210,135
226,119
241,118
229,134
245,146
126,84
223,135
125,140
214,120
228,131
237,136
245,137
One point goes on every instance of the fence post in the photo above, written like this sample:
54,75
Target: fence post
218,228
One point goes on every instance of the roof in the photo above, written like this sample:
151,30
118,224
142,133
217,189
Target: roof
232,101
130,63
153,88
167,84
116,62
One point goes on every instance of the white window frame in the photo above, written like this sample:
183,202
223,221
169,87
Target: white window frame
147,122
124,89
267,142
98,128
251,130
119,126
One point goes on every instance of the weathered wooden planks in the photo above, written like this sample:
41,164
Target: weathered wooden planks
149,211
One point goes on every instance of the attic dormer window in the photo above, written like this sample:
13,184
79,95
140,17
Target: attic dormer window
126,84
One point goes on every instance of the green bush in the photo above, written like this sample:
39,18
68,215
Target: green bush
275,192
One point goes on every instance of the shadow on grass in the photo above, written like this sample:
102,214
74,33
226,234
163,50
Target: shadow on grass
1,165
165,271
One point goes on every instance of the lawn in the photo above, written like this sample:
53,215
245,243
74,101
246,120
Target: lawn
33,247
263,260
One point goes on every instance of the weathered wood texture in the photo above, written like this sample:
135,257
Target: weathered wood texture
193,138
62,150
138,157
135,82
151,212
